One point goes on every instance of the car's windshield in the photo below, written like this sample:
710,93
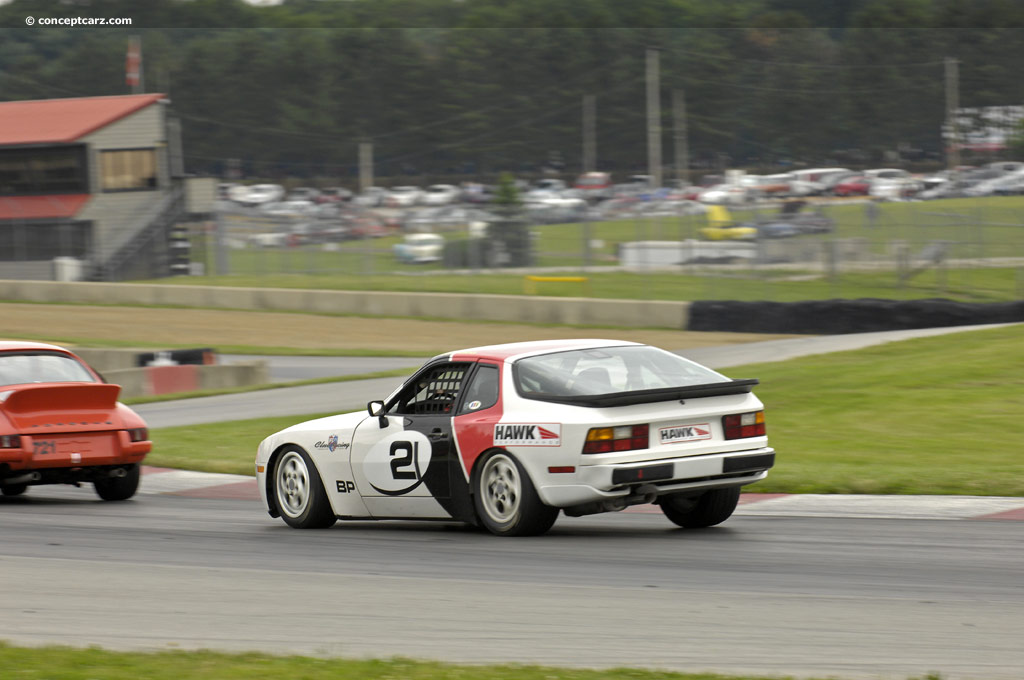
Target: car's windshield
29,367
606,370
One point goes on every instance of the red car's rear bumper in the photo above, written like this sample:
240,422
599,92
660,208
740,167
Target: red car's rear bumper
74,450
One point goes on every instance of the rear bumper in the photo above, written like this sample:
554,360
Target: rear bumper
692,473
74,451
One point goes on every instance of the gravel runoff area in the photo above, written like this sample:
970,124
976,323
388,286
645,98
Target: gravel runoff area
307,332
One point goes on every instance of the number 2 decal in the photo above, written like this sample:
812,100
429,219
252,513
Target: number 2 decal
397,464
411,459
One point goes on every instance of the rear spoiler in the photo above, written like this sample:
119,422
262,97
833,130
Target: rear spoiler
719,389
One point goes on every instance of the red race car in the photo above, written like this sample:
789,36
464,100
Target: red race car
61,424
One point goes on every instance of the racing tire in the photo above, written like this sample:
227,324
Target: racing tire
13,489
506,502
710,508
118,488
299,492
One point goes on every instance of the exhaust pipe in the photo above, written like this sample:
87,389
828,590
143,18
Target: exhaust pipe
118,472
34,476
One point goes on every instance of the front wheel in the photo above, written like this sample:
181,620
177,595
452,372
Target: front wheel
710,508
506,500
299,493
118,488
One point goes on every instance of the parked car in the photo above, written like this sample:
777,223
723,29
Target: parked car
507,437
420,248
594,186
439,194
335,195
60,423
857,185
370,197
258,194
291,208
402,197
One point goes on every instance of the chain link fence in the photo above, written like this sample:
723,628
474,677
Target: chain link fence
962,248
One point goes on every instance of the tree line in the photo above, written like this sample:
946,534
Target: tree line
477,87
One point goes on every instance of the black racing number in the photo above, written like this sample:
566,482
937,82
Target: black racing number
43,448
410,459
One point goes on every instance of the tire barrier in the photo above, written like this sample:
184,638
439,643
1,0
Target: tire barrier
833,317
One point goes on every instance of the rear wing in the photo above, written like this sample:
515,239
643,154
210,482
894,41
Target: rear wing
719,389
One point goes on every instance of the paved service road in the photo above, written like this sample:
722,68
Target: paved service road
348,396
845,597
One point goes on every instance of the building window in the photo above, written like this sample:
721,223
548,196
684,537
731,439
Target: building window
43,170
127,170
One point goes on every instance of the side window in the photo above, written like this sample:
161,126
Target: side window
482,390
433,392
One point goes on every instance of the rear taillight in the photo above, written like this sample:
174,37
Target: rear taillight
740,425
621,438
138,434
10,441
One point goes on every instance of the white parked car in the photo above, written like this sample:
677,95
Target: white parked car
295,208
256,194
370,197
420,248
892,183
402,197
440,194
508,436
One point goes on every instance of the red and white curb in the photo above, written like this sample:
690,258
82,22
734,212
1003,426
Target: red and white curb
241,487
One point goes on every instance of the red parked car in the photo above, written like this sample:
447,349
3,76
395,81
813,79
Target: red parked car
60,423
853,186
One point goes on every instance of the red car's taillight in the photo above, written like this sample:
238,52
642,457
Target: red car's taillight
740,425
622,438
10,441
138,434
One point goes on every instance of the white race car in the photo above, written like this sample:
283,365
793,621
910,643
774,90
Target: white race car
506,436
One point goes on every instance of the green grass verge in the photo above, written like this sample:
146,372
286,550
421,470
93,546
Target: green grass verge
978,284
927,416
22,663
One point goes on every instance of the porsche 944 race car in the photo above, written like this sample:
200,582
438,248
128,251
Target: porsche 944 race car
507,436
60,423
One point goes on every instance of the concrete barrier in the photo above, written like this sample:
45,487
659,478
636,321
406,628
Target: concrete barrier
153,380
121,367
455,306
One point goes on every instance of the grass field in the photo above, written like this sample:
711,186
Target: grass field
928,416
53,663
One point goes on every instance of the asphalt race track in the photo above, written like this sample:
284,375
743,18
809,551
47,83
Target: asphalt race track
846,597
788,586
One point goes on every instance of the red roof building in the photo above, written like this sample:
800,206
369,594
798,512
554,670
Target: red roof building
85,178
62,121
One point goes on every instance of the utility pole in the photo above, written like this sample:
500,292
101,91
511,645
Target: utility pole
682,144
952,106
365,165
589,133
653,117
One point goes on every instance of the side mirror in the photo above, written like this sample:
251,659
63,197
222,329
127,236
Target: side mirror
376,409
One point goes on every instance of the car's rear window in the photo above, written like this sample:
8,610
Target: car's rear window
17,368
606,370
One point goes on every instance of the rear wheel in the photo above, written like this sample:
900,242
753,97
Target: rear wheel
118,488
506,500
299,493
13,489
694,512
